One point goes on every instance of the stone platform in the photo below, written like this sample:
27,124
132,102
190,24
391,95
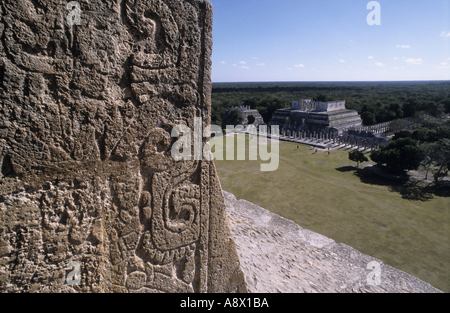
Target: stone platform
277,255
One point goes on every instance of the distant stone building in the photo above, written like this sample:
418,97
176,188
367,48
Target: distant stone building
246,112
309,115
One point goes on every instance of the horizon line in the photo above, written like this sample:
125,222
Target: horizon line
329,81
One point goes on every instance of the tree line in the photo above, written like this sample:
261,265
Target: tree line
376,102
427,146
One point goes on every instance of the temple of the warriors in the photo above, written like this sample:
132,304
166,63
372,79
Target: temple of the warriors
309,115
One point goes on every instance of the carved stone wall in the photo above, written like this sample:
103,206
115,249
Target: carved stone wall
87,175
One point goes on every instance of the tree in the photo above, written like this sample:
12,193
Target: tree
251,119
268,106
421,134
321,98
429,154
433,108
397,110
446,104
357,156
402,134
442,158
399,155
215,118
410,107
369,118
432,129
235,117
252,103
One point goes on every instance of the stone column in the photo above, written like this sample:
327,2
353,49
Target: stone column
95,188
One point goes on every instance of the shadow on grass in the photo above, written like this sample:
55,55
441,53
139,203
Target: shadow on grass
345,169
410,190
413,191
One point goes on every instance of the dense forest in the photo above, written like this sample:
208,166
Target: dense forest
377,102
427,146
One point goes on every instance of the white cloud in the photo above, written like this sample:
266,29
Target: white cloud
223,62
444,66
255,58
414,61
342,61
445,34
261,64
394,58
242,62
370,57
404,46
245,67
379,64
299,65
233,65
289,69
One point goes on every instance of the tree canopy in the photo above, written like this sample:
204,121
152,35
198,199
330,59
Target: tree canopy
399,155
377,102
357,156
234,117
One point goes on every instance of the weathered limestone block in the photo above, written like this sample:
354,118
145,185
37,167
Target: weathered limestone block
87,176
292,259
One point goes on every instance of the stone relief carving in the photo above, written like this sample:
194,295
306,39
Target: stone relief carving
87,174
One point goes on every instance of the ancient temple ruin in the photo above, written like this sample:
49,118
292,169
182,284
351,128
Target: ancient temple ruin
91,199
321,117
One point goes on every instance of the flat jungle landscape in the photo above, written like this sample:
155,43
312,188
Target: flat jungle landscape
377,102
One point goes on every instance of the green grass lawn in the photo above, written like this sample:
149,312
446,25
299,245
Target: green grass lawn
323,193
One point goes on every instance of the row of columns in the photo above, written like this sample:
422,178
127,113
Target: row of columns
367,144
408,124
292,134
374,129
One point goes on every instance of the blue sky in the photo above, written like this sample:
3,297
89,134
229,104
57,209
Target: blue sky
330,40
